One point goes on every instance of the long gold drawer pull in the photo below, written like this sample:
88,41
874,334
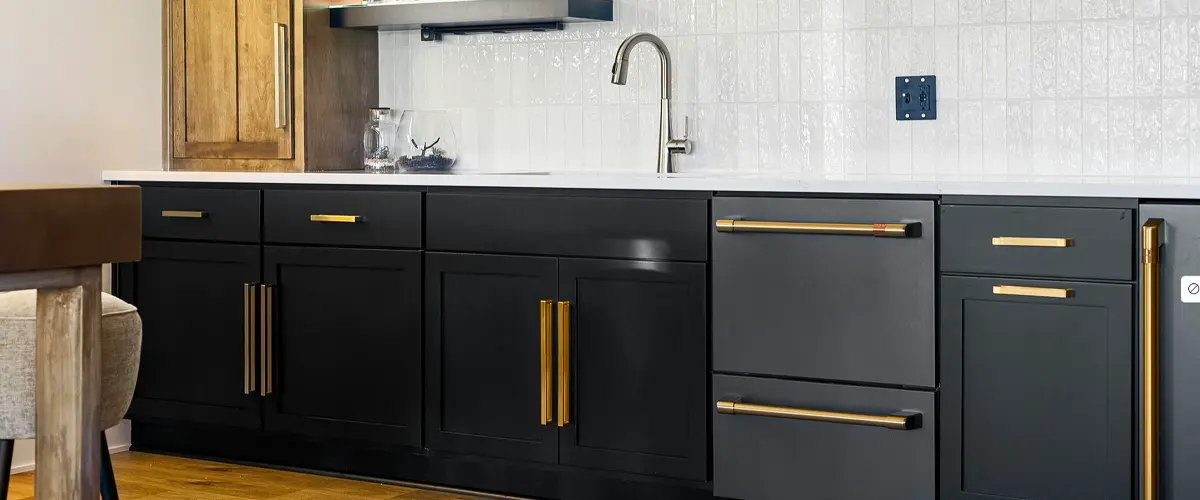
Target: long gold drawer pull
546,414
345,219
1151,259
564,363
1012,241
902,421
267,384
897,230
184,214
247,342
1033,291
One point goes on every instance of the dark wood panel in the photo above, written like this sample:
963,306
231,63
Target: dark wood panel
483,355
1101,241
191,299
576,226
229,214
388,218
347,343
53,227
1037,392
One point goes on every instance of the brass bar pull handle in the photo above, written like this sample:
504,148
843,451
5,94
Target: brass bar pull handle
881,230
564,363
1033,291
902,421
1151,282
184,214
247,337
267,386
546,399
342,219
282,87
1013,241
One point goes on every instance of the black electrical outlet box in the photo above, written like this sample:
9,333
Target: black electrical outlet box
916,98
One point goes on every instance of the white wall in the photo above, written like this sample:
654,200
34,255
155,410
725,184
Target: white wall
80,92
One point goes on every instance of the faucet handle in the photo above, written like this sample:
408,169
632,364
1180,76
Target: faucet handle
687,127
682,146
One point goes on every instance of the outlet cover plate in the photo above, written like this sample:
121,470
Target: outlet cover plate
916,97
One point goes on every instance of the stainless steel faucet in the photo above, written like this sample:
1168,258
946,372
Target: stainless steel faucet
667,147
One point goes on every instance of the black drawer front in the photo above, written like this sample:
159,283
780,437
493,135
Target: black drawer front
779,458
832,307
575,226
1038,241
201,214
344,218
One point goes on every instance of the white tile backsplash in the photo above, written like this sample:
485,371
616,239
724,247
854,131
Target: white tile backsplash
1028,89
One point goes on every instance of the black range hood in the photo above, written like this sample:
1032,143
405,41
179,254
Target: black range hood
470,16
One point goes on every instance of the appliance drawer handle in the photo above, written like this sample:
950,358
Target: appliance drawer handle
184,214
880,230
1151,281
343,219
1033,291
901,421
1014,241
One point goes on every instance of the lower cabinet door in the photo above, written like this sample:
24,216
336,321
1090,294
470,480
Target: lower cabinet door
1037,394
345,336
484,325
192,298
638,384
784,440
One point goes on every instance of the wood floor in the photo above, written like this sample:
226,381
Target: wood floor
142,476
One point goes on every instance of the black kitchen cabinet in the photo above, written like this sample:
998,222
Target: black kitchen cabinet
483,331
344,343
638,371
1037,396
192,298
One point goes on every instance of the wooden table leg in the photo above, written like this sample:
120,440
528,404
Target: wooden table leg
68,389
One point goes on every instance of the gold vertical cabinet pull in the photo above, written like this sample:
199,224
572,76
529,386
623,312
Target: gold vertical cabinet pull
1011,241
1033,291
564,363
343,219
184,214
1151,281
267,386
248,338
882,230
903,421
546,399
282,84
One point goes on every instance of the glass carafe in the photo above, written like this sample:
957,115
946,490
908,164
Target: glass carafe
379,141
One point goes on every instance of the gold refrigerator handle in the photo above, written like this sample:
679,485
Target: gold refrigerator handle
899,421
546,311
1151,258
882,230
267,386
564,363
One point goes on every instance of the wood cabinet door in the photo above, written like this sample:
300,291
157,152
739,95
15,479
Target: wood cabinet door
638,367
483,355
343,336
1037,392
195,356
230,78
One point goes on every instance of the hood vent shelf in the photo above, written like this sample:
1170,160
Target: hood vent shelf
436,18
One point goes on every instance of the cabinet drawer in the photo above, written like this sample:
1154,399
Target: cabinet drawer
201,214
572,226
790,299
786,456
1038,241
343,218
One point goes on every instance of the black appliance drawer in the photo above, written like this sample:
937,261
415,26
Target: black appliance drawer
343,218
870,444
791,299
201,214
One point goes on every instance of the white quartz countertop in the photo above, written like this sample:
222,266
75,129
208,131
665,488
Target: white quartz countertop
1099,188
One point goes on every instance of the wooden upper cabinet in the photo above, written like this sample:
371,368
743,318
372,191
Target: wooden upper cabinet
232,81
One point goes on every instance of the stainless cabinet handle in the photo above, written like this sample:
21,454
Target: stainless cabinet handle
268,383
184,214
282,76
902,421
1033,291
1015,241
881,230
1151,269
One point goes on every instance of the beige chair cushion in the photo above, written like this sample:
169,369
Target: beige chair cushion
120,353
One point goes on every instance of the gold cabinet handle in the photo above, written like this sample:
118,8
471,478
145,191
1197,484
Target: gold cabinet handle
546,400
268,345
1151,269
342,219
282,76
1033,291
564,363
184,214
248,338
1013,241
882,230
902,421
